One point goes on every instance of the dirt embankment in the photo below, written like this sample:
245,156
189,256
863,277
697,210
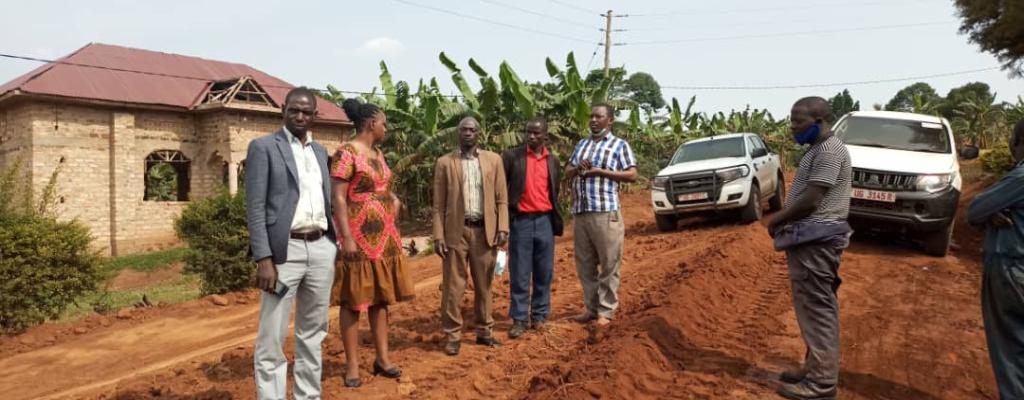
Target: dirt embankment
705,314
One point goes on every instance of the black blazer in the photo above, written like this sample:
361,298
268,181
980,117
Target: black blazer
514,160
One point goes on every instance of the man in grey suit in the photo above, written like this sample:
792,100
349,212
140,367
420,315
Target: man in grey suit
292,239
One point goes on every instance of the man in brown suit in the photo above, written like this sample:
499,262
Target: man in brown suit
470,224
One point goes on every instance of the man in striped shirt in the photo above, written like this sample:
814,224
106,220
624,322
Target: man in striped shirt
596,168
817,206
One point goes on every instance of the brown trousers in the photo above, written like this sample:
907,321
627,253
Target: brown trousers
472,253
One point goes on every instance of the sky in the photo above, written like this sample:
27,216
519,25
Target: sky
681,43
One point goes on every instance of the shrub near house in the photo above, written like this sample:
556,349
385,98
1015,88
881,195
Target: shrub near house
218,242
44,263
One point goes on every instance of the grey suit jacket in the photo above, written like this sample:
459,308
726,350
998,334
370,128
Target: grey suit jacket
272,191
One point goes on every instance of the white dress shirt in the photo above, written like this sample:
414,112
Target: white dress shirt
310,214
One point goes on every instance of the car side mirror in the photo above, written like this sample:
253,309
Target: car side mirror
759,152
969,152
664,163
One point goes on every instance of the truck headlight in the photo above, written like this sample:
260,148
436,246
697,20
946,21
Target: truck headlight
731,174
659,182
933,183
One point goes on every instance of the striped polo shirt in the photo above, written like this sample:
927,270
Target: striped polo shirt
825,164
599,194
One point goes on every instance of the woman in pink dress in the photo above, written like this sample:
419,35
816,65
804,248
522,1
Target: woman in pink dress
369,273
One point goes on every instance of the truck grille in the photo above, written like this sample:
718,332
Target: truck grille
696,182
883,180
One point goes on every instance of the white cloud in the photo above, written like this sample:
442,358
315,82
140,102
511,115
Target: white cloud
382,46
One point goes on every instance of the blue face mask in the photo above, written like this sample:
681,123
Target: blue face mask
809,135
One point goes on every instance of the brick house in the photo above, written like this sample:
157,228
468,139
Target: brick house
109,115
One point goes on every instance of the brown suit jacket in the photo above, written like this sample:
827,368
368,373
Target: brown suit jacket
449,209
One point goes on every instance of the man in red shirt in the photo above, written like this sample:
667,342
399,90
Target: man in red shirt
532,173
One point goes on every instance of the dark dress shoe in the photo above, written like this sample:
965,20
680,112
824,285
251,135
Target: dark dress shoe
806,390
393,372
488,341
353,383
452,348
793,375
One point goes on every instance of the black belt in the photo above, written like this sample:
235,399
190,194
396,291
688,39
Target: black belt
478,223
307,236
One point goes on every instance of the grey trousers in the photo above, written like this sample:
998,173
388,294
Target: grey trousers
814,278
597,242
1002,308
309,274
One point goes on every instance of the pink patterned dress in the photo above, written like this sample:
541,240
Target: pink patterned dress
376,275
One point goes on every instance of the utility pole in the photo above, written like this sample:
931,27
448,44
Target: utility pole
607,42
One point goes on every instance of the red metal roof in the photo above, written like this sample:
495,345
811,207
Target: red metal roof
165,79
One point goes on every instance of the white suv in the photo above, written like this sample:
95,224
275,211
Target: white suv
733,172
906,175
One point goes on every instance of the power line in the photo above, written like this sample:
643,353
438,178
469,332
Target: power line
160,74
785,34
531,12
591,62
757,10
573,6
493,22
822,85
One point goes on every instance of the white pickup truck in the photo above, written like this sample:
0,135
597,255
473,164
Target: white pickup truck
727,173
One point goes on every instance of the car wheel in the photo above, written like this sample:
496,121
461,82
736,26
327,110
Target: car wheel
666,223
752,211
937,243
775,203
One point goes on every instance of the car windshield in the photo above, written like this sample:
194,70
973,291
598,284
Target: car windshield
709,149
896,134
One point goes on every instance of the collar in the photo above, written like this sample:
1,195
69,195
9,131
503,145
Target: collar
543,152
600,137
292,138
476,153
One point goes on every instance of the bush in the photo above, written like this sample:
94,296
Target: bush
997,161
44,263
218,242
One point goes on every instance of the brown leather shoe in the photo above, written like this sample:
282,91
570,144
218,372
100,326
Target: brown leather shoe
585,317
518,329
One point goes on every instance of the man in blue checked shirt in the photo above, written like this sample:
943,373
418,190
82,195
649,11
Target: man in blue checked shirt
1000,211
596,168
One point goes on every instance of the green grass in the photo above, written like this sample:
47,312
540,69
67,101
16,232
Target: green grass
148,262
972,172
186,288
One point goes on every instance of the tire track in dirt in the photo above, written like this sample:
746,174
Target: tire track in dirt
104,359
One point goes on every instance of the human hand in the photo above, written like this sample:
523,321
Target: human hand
349,248
441,249
585,165
266,275
501,240
1000,220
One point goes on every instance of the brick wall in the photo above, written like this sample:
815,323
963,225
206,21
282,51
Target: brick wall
16,139
101,154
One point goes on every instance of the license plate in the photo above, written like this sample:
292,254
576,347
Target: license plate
874,195
692,196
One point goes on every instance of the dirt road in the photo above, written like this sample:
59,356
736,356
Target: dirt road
705,314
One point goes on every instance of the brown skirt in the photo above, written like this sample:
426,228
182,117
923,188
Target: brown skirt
359,284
